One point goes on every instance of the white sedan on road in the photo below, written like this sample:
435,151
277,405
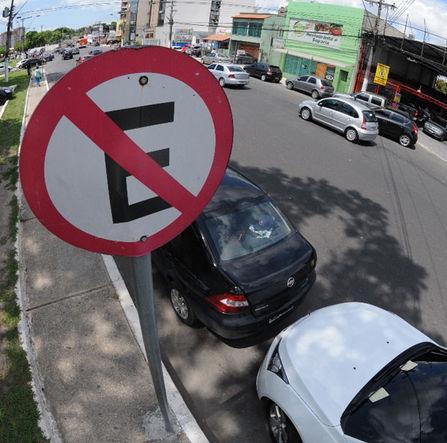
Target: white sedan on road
354,373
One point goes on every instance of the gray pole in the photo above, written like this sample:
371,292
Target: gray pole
144,295
8,39
171,22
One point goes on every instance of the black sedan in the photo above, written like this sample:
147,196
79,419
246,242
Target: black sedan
67,54
241,266
264,72
397,126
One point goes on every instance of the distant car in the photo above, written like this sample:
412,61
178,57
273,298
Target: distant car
95,52
2,68
82,46
354,119
394,125
316,87
67,54
241,266
264,71
75,51
8,91
48,56
229,74
353,372
207,59
370,98
436,127
195,50
83,58
244,59
32,62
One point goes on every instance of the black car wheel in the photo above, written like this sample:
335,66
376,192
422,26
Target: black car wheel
263,77
306,114
182,307
315,94
289,85
404,140
280,427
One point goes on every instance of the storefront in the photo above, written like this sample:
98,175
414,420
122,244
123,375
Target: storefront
322,40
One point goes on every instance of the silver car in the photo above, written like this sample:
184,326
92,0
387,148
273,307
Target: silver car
315,86
355,120
207,59
229,74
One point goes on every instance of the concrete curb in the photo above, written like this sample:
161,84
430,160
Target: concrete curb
47,422
3,108
183,415
442,157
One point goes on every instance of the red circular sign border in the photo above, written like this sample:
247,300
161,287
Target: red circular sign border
83,78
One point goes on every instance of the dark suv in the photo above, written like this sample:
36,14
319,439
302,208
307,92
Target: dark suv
264,71
241,266
398,126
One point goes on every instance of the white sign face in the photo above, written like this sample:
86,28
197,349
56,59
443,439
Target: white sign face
316,32
158,117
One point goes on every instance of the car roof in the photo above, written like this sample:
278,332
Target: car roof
331,354
233,188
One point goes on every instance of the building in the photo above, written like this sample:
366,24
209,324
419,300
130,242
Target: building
17,36
321,39
197,20
147,21
127,22
246,32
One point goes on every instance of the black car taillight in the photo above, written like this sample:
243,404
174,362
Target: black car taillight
228,303
275,365
415,128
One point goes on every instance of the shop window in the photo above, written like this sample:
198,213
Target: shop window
240,28
254,29
343,76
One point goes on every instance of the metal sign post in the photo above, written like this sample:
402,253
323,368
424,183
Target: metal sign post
145,303
120,171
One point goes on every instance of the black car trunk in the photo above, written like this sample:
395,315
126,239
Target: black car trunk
264,276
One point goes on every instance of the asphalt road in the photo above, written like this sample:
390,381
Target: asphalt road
377,215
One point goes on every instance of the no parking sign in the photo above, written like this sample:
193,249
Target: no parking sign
125,151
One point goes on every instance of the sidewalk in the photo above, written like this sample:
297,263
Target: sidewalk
435,147
91,379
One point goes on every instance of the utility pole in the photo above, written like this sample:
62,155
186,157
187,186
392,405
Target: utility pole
381,4
8,39
171,21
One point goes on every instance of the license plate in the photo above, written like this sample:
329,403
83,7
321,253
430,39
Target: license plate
281,314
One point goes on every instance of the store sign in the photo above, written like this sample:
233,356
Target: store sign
316,32
183,35
381,76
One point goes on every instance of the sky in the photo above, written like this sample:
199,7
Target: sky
50,14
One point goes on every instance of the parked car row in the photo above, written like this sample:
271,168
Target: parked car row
345,373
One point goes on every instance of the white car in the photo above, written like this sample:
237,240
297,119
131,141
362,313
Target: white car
353,372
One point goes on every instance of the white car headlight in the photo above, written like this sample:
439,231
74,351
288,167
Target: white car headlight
275,365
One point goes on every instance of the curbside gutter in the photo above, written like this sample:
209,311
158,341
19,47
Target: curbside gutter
181,412
47,423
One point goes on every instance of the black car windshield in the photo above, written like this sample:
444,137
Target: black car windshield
235,69
246,230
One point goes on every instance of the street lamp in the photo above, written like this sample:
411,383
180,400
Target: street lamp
23,27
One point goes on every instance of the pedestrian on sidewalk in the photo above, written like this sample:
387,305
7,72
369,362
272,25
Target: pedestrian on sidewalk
37,76
28,69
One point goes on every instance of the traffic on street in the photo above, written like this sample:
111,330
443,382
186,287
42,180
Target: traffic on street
279,222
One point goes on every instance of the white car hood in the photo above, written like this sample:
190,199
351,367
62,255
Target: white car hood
335,351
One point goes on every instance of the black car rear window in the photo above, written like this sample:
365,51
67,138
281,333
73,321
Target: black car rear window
369,116
246,230
235,69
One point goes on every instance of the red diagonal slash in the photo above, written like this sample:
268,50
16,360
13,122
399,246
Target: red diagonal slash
98,127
